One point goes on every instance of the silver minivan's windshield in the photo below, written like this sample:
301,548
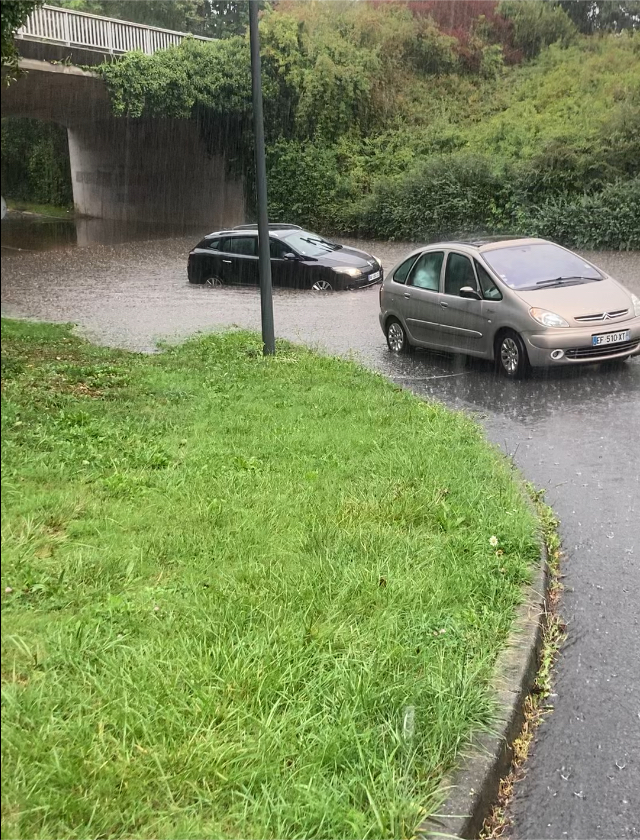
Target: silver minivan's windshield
539,264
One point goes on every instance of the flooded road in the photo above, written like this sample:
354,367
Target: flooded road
573,433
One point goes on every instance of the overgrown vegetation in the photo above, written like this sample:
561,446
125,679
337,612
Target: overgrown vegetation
536,705
34,209
228,611
35,162
427,120
12,16
423,119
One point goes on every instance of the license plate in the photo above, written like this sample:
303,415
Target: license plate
374,276
610,338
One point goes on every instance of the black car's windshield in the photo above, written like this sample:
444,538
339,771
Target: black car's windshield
539,265
309,244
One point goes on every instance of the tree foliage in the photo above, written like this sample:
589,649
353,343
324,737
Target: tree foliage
13,15
417,119
211,18
537,24
604,15
35,162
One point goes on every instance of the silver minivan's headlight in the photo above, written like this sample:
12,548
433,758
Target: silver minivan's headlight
352,272
636,304
546,318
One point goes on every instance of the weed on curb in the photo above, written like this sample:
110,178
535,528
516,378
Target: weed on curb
536,706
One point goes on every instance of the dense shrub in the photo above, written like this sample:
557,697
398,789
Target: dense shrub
459,196
536,24
35,162
306,183
606,219
444,196
402,120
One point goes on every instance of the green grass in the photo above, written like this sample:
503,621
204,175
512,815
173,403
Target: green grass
40,209
243,596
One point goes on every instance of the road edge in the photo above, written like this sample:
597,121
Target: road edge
473,788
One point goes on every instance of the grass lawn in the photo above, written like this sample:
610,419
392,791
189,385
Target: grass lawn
40,209
243,597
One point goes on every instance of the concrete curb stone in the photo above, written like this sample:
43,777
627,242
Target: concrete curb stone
473,789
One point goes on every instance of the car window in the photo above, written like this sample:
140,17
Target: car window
459,273
212,244
426,272
532,264
310,244
489,289
401,272
278,249
242,245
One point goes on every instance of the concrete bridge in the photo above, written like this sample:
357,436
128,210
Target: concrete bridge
155,170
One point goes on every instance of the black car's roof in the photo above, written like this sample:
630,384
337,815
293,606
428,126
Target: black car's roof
276,230
253,231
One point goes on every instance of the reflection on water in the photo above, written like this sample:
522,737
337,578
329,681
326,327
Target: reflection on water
21,232
26,232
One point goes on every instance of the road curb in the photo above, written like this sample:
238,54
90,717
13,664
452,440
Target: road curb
473,789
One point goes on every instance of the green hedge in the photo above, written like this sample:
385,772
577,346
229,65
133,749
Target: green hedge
35,162
609,218
451,195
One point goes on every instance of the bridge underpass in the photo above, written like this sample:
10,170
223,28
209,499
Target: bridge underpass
123,169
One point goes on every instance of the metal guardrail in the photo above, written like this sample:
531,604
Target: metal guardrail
94,32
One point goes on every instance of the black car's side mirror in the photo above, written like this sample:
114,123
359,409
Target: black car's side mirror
290,256
468,292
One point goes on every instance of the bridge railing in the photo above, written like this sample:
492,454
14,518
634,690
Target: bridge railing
109,35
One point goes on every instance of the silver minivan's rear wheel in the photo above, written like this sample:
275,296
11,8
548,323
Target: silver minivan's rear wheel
322,286
512,356
396,337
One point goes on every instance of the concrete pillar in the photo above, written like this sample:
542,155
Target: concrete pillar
151,171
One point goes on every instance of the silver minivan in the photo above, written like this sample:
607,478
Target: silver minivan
520,302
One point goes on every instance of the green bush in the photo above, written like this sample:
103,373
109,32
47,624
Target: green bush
444,196
35,162
392,125
305,183
536,24
461,195
609,218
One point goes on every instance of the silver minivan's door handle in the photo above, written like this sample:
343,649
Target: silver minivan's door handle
407,295
443,304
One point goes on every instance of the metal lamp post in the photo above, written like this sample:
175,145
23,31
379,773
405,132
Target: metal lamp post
266,296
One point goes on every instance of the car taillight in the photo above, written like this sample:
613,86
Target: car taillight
380,295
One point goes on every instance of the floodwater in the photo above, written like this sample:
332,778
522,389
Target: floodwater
23,231
573,433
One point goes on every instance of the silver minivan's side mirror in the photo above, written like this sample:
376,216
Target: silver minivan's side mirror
290,256
468,292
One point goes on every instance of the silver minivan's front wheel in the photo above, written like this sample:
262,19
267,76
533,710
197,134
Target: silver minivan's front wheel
512,356
397,337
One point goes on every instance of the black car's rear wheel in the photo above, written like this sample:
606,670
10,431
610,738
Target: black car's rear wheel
397,340
322,286
511,355
213,281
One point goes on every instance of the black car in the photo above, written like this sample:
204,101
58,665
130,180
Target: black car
299,259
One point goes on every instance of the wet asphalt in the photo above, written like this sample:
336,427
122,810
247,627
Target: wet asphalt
575,434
